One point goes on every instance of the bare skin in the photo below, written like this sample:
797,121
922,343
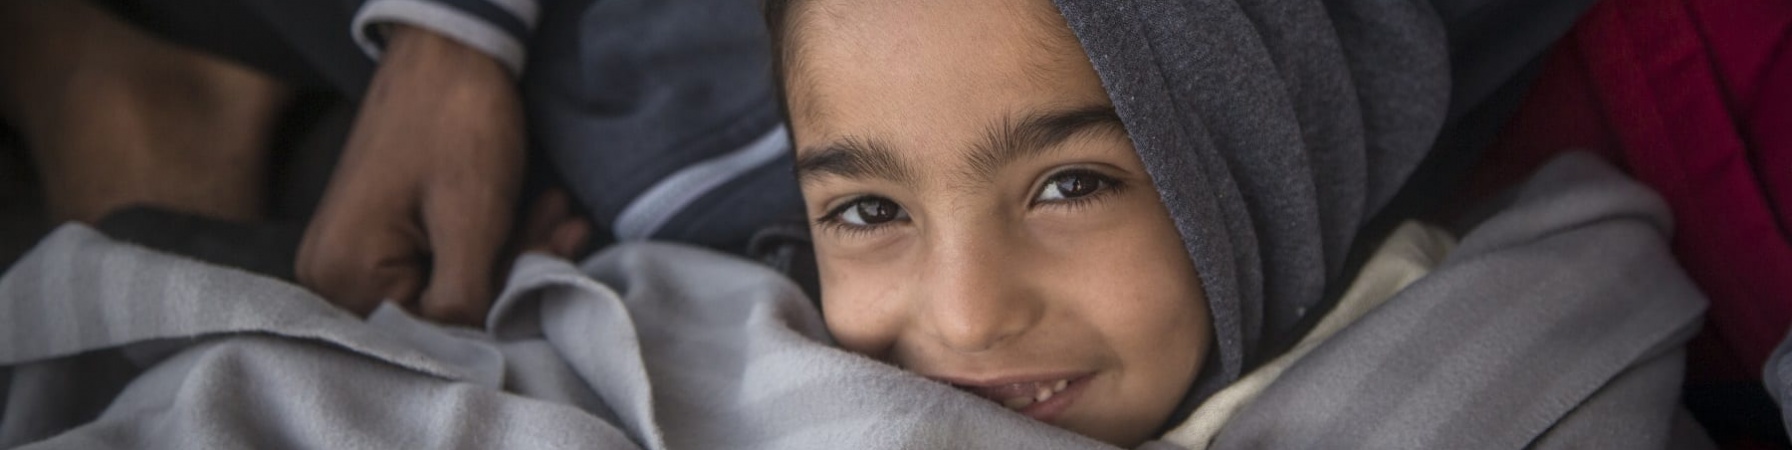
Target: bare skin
552,227
980,215
112,115
420,205
416,213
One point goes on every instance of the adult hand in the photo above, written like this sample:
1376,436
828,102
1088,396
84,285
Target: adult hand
420,203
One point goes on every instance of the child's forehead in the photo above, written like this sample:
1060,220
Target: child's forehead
921,25
850,57
929,16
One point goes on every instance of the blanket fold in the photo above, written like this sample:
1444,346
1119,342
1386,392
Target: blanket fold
653,346
1557,322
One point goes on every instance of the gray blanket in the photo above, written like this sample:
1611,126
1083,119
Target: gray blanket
1557,323
109,345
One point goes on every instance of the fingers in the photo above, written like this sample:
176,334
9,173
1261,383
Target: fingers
553,227
466,231
356,264
569,238
435,156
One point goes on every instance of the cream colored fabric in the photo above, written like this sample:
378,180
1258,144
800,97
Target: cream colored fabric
1408,254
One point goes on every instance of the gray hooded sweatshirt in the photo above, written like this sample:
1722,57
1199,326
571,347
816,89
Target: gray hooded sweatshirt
1275,129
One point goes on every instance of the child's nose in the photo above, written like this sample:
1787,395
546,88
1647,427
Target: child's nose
975,298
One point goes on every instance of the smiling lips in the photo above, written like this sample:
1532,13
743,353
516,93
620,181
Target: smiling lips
1033,398
1016,396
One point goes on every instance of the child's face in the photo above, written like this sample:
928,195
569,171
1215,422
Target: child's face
981,217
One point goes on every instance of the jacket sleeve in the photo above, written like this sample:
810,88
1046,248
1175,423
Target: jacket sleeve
497,27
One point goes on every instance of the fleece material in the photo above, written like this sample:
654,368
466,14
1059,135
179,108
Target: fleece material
1273,130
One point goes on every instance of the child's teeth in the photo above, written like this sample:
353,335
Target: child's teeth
1041,392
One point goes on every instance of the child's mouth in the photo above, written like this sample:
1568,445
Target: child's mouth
1042,399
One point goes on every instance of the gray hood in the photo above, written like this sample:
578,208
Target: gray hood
1274,130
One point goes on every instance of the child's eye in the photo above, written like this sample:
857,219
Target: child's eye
867,212
871,211
1072,185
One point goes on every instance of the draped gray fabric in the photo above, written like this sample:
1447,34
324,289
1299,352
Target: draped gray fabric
1560,322
651,346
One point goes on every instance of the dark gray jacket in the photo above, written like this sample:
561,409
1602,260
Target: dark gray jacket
660,115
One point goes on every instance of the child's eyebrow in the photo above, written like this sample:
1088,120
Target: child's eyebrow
1004,143
852,158
1010,141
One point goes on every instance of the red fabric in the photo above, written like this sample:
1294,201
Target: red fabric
1693,98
